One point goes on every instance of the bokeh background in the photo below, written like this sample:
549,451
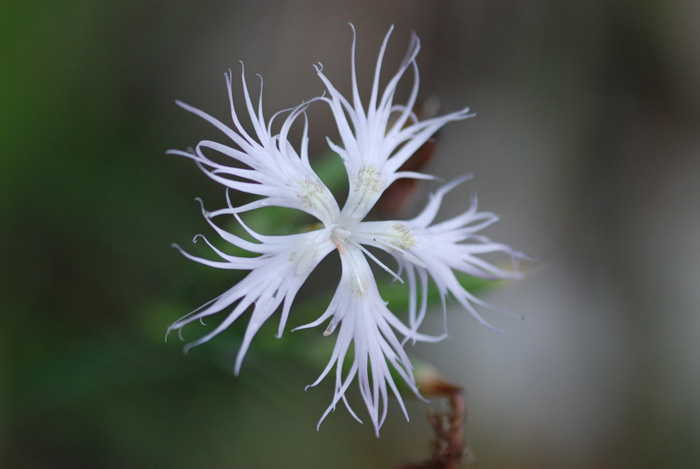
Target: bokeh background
587,142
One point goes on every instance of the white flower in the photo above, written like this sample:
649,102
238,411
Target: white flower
375,142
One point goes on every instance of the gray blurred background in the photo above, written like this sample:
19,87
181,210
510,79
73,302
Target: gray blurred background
586,142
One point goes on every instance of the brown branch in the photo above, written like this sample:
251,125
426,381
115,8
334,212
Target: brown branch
448,448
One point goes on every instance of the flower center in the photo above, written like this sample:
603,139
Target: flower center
339,236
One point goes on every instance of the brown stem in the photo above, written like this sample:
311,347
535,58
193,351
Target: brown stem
448,448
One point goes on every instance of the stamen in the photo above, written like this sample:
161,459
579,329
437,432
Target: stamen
339,245
331,327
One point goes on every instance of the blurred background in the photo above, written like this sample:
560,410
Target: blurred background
586,142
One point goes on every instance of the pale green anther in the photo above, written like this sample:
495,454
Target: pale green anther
331,327
314,195
368,180
403,239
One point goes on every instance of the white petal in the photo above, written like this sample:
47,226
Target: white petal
366,323
276,276
441,249
277,172
372,150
